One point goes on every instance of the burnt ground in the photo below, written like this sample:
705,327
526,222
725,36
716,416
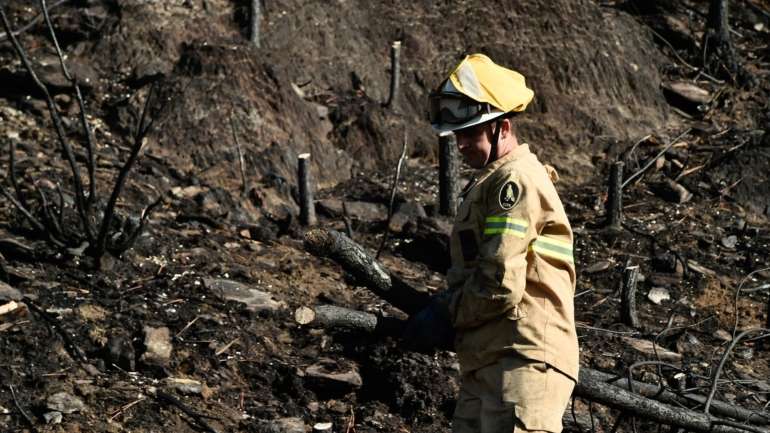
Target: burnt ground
598,71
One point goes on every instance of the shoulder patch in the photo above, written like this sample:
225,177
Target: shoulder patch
508,195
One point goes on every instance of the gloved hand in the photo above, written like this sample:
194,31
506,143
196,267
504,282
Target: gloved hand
431,328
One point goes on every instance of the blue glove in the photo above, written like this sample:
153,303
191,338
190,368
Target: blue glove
431,328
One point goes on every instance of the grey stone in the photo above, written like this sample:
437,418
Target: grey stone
321,373
656,295
255,300
158,344
360,210
282,425
184,386
53,417
406,212
730,241
8,293
64,402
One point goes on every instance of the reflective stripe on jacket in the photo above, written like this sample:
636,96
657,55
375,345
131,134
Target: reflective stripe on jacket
513,275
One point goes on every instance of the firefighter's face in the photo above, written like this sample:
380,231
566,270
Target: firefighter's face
475,144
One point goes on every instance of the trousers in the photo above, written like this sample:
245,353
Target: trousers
512,395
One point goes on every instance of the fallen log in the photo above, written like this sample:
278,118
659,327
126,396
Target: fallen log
334,317
653,391
366,270
592,386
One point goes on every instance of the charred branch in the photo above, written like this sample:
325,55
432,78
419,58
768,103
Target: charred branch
393,189
365,269
91,163
592,385
66,149
334,317
141,132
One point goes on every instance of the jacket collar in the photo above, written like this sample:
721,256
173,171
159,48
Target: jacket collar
520,151
482,173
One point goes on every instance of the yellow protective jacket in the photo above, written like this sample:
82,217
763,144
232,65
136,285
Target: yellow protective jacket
512,279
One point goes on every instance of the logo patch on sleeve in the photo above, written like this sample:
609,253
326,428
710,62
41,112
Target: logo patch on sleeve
509,195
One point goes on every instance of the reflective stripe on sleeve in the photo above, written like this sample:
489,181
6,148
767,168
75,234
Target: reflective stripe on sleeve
553,248
500,225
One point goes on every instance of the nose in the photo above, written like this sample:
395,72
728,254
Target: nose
462,142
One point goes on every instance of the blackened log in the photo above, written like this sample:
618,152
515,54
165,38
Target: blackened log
592,386
653,391
365,269
334,317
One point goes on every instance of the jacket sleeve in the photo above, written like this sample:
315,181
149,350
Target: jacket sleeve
509,214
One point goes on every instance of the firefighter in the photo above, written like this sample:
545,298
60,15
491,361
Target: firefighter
509,306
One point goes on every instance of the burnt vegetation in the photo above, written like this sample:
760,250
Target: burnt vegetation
157,271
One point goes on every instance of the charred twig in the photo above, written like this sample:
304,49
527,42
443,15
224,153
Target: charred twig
346,220
52,224
31,23
36,224
125,407
652,161
725,355
79,96
738,294
12,172
393,189
131,239
141,132
53,323
241,164
169,399
21,409
57,122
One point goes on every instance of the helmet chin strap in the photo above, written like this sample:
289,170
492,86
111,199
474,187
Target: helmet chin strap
493,149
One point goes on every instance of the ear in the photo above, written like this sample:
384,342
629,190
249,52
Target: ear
506,127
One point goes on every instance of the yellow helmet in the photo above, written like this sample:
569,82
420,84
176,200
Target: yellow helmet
477,91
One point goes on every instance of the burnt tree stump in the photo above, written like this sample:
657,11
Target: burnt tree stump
447,175
615,197
395,71
306,205
254,18
628,312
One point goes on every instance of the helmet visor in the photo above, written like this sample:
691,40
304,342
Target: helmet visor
454,109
